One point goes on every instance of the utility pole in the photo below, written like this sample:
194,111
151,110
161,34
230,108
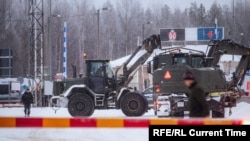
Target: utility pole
50,23
36,64
49,41
98,30
143,28
65,50
233,27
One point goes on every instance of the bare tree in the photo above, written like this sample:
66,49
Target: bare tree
202,16
119,27
178,19
165,16
5,21
193,14
214,12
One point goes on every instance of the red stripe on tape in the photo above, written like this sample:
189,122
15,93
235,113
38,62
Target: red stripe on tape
29,122
190,122
82,122
236,122
136,122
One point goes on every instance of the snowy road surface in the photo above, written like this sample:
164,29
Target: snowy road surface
62,112
86,134
76,134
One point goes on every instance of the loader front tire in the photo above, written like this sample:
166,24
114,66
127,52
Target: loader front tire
81,105
134,104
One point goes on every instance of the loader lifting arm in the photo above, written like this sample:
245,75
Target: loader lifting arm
149,44
219,47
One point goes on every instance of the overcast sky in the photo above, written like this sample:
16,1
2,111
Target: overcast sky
182,4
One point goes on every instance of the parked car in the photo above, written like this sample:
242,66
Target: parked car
148,93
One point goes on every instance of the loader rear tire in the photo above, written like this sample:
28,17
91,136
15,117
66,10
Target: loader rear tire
81,105
134,104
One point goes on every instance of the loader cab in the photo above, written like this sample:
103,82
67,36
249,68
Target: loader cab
100,77
192,60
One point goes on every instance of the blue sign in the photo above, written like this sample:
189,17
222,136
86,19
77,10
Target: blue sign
209,33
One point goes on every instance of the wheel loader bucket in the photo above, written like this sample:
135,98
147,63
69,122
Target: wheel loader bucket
152,43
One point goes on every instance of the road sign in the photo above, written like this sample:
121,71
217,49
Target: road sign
172,34
209,33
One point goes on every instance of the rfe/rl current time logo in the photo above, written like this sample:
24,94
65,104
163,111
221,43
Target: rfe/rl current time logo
172,35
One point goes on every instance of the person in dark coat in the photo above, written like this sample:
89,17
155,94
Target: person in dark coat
27,100
198,106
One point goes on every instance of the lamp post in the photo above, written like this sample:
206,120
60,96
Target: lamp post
98,28
49,42
143,28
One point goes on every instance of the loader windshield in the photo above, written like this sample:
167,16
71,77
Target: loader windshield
180,60
101,69
96,69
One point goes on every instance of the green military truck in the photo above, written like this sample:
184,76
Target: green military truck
168,68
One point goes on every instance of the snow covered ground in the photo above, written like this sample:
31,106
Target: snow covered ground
86,134
75,134
237,112
62,112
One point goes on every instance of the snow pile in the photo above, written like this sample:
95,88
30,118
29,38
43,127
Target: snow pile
122,60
